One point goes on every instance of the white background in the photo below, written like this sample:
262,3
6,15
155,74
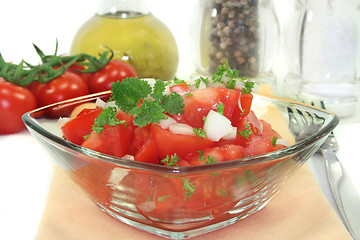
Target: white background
25,169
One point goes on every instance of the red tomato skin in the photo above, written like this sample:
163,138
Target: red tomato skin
239,115
67,86
75,130
168,143
147,153
115,70
180,88
14,102
113,140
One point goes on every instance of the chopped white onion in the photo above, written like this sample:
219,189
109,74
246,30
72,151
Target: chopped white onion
147,206
239,103
283,142
202,85
129,157
231,134
251,117
217,126
111,104
117,174
100,103
62,121
181,128
165,123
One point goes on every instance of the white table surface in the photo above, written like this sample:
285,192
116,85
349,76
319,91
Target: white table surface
26,170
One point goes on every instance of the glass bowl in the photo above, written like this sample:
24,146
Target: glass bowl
183,202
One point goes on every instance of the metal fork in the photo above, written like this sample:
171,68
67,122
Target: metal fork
334,172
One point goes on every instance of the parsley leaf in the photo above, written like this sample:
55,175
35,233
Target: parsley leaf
172,103
210,160
245,133
189,187
201,156
159,88
220,108
171,161
273,141
178,80
201,79
106,117
224,70
200,132
248,86
148,112
129,93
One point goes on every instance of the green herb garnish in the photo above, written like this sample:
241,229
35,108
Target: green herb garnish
106,117
273,141
189,187
211,160
201,156
220,108
245,133
201,79
171,161
129,93
199,132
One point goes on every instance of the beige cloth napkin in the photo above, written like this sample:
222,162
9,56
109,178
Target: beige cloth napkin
298,211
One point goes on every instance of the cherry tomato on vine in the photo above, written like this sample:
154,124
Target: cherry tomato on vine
14,102
67,86
113,71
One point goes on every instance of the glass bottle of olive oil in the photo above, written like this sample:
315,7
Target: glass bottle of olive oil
134,34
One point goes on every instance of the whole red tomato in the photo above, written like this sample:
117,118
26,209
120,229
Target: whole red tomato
115,70
67,86
14,102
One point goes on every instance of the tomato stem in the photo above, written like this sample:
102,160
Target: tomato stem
51,66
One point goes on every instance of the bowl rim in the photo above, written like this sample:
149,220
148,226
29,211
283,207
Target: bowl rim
32,124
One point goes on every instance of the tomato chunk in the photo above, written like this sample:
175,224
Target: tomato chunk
113,140
168,143
80,126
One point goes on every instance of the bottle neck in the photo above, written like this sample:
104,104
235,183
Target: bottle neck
122,8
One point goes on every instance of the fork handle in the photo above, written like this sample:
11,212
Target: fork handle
335,175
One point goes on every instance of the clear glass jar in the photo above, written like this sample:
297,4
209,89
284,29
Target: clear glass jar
324,54
135,36
245,33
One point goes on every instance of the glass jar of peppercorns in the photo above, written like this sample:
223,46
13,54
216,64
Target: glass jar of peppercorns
243,32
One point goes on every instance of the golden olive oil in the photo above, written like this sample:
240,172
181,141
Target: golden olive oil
141,40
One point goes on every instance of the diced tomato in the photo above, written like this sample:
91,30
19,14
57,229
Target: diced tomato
168,143
80,126
156,196
180,88
239,114
257,145
141,135
147,153
113,140
202,101
216,154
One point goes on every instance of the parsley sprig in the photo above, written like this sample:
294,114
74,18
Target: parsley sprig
106,118
148,105
245,133
232,77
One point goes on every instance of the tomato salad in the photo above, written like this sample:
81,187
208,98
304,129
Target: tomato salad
176,124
